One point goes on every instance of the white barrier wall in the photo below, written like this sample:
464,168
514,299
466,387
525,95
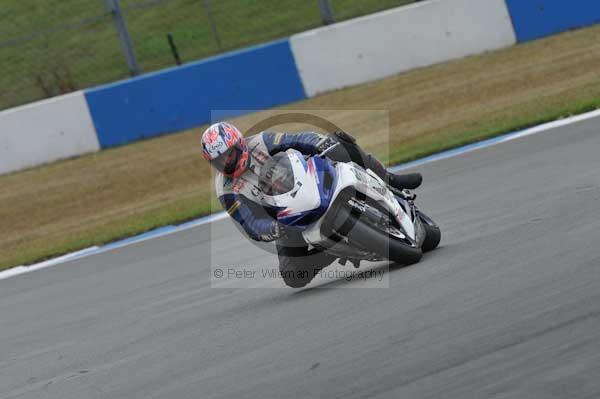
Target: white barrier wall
46,131
393,41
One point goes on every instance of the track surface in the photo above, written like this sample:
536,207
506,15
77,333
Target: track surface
508,307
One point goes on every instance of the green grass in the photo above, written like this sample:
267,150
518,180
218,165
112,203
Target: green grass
119,228
64,45
482,131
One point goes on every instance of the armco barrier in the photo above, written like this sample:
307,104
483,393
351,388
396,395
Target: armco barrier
393,41
183,97
534,19
45,131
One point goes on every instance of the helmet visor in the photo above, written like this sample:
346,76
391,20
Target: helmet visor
227,162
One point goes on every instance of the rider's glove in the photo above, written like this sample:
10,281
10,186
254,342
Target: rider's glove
339,137
280,231
325,143
277,232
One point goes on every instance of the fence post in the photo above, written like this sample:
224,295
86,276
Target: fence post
213,25
114,7
173,48
326,12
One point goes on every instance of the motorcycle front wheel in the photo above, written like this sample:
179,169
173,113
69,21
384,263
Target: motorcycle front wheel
433,234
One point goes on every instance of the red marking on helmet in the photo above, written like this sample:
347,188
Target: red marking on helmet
211,135
230,134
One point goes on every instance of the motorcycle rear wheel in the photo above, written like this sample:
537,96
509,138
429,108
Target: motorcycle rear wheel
366,235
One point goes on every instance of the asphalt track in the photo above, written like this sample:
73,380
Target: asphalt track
507,307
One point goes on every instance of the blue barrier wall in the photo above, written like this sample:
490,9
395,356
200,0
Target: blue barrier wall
534,19
182,97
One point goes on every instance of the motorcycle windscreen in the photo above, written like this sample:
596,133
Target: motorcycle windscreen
276,175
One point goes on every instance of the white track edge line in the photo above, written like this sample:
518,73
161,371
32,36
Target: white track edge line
84,253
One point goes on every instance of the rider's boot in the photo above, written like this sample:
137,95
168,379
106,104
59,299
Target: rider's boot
409,181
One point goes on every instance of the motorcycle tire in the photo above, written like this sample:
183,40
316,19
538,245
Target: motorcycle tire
433,235
368,236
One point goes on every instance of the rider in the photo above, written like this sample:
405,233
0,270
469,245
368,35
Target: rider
238,162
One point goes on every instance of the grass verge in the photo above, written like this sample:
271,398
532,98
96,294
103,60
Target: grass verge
429,147
94,199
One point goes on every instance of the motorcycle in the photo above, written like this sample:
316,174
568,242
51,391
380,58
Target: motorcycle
346,210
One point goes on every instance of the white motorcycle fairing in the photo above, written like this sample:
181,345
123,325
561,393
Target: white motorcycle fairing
310,195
